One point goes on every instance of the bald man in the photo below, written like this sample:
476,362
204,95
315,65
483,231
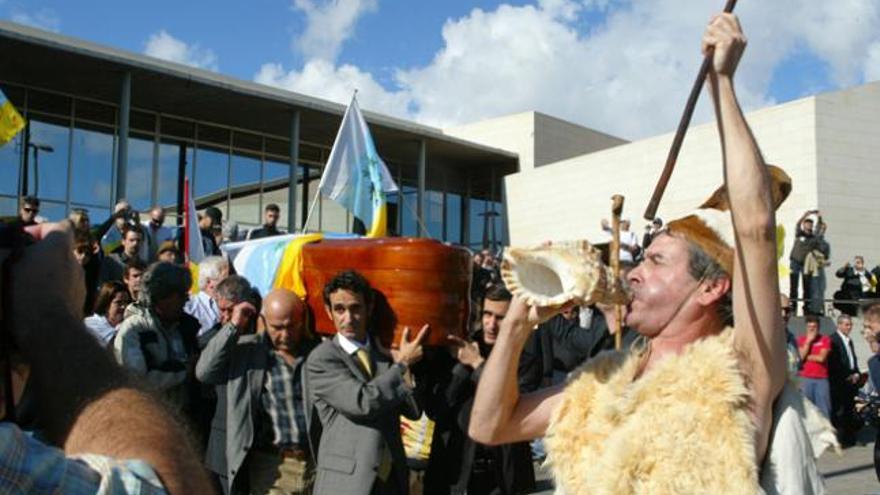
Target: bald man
265,430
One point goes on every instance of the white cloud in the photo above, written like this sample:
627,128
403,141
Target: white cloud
163,45
329,23
872,64
628,76
335,83
45,19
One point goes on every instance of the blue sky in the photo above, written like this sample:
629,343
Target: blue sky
444,63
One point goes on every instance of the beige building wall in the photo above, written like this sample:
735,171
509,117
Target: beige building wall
514,133
848,140
537,138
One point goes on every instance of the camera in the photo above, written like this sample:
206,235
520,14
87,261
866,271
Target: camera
130,216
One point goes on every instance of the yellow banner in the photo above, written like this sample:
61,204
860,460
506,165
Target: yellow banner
11,122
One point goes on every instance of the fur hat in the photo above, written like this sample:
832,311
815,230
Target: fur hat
710,226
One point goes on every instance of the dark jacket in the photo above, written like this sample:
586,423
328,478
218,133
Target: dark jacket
804,242
851,286
455,458
264,231
874,371
839,368
560,345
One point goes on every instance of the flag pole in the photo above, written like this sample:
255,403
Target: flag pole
311,209
186,220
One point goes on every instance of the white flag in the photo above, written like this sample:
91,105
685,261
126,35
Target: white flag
355,176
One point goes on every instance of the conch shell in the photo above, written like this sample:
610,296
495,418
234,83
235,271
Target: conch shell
555,274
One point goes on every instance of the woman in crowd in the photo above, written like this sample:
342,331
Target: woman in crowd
110,307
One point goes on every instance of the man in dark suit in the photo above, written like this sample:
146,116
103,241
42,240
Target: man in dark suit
459,465
359,393
844,380
259,437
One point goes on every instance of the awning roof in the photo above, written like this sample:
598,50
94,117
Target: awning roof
39,59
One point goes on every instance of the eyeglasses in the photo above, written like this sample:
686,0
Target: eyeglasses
31,210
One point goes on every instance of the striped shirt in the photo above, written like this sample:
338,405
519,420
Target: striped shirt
283,403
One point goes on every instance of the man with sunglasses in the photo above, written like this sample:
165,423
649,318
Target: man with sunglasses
30,208
265,447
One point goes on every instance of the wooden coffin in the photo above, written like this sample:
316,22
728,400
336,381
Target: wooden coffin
415,281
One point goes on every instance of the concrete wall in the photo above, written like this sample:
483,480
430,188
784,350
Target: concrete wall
537,138
848,140
514,133
557,139
567,199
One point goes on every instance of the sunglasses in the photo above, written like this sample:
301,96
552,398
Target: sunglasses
31,210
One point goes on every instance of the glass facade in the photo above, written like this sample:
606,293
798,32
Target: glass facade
67,156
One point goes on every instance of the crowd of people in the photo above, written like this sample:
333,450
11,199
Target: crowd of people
228,390
809,256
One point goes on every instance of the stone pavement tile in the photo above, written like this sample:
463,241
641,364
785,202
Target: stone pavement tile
852,472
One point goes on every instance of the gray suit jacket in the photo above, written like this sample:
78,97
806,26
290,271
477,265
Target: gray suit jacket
359,416
239,364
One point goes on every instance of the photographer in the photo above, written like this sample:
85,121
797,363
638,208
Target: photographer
858,283
804,243
111,436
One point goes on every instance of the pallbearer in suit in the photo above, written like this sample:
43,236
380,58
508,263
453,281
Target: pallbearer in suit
359,392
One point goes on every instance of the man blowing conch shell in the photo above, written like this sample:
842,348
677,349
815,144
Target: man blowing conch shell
693,408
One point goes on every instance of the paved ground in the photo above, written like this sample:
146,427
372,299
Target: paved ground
851,473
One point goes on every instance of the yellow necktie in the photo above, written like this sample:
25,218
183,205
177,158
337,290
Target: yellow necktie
364,357
384,469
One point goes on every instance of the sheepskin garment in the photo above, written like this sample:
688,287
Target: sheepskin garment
683,427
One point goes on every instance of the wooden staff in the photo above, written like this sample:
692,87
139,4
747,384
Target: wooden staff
614,258
672,157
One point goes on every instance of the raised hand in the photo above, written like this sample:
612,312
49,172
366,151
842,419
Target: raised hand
242,314
725,39
467,353
410,352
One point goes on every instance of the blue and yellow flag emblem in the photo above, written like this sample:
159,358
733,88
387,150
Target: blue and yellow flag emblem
11,122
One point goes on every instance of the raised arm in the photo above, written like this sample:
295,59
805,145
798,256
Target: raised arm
500,414
758,324
213,365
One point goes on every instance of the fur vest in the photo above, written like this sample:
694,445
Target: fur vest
683,427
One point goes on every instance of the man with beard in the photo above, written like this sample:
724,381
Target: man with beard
691,410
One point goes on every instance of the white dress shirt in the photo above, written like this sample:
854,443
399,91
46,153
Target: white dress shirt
100,328
203,308
351,346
